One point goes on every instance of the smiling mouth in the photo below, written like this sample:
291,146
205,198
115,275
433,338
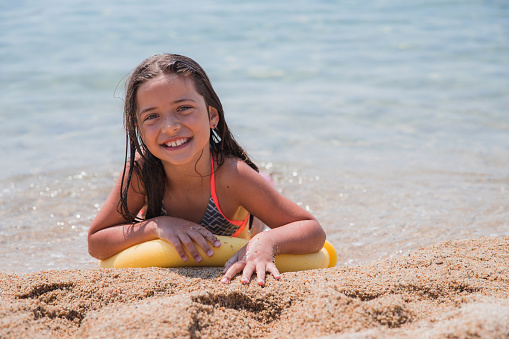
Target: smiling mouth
177,143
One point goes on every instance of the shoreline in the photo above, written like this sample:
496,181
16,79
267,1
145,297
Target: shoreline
457,288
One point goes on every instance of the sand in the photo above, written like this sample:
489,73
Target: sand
457,289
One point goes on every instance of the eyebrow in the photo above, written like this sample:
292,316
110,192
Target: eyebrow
148,109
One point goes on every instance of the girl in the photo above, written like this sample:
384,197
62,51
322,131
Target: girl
194,179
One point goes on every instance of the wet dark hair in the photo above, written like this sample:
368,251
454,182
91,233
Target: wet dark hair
151,171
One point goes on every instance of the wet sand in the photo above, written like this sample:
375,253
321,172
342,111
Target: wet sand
457,289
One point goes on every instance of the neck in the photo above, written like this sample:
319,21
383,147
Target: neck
190,174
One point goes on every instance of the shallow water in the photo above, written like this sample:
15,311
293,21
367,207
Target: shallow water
388,120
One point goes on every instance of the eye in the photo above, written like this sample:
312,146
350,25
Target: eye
150,116
184,108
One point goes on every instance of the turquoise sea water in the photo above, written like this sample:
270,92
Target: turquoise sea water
388,120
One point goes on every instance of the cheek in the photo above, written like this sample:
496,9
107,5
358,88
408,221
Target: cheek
196,122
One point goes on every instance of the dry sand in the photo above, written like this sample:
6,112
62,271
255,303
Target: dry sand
457,289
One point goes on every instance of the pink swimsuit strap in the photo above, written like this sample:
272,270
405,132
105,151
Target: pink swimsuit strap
241,223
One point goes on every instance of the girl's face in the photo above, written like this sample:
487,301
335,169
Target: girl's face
173,120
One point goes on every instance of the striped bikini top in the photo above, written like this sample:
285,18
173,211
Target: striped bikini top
214,220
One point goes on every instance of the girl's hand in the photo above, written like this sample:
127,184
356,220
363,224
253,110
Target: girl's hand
256,255
182,233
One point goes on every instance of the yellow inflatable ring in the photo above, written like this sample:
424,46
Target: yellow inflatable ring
159,253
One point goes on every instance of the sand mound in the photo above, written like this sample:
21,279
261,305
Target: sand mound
457,289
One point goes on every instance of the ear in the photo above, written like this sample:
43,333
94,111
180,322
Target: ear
213,117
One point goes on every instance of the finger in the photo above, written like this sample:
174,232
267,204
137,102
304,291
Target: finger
200,240
272,269
260,274
205,233
232,271
230,262
174,240
240,255
247,273
189,245
210,237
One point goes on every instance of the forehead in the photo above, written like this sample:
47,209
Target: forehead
167,85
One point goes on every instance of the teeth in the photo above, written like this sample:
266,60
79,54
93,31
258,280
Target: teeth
176,143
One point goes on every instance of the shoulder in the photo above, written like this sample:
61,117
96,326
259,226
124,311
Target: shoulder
245,187
235,171
234,177
240,181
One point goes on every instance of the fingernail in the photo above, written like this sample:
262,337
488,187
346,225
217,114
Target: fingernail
184,258
224,280
217,243
197,259
245,281
260,282
209,253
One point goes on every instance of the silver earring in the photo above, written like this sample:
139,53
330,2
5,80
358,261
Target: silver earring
215,136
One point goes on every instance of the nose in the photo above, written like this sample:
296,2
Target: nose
171,124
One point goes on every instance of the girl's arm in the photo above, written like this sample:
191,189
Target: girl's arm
293,230
111,233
